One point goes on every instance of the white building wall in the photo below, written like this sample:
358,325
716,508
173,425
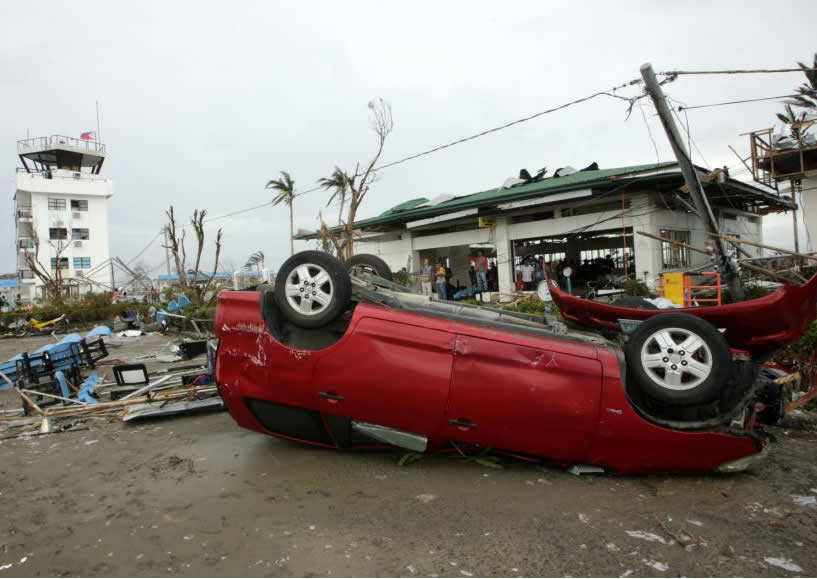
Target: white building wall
35,190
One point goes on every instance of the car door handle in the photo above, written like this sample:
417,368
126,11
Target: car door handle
330,396
462,423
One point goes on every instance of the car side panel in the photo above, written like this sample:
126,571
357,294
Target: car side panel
629,444
520,398
389,373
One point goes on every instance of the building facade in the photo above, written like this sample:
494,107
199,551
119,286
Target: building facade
61,216
581,218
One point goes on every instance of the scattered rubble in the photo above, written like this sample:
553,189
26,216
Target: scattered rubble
61,386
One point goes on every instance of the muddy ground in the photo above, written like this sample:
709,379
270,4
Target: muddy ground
197,496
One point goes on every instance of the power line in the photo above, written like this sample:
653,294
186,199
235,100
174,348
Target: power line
740,102
152,241
649,132
609,92
737,71
239,212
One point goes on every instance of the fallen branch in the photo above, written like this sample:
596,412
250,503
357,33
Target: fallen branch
682,538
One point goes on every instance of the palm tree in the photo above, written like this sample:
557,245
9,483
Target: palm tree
807,92
256,260
285,186
791,118
339,182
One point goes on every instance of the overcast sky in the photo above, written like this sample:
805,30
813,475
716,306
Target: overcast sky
201,103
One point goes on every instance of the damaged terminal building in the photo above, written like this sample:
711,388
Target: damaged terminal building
578,217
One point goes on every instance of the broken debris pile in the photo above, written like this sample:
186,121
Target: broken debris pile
60,390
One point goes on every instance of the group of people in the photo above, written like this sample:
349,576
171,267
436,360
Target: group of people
437,275
5,306
434,275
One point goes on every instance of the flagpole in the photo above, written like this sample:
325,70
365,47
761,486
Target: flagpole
98,137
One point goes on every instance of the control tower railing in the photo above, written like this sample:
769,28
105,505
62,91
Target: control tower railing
59,142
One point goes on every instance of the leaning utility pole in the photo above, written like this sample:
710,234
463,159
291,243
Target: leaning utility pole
729,267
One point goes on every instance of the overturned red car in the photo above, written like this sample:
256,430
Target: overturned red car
355,361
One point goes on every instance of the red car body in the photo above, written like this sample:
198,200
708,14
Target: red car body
535,395
758,326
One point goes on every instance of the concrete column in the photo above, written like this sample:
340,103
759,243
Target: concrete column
808,208
504,256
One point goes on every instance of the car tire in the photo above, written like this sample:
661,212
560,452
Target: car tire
634,302
329,289
21,332
61,327
679,359
369,263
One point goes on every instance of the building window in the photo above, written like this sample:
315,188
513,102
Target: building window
675,256
79,205
81,233
82,263
56,204
63,263
58,233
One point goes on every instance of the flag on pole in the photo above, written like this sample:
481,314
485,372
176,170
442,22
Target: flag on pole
89,136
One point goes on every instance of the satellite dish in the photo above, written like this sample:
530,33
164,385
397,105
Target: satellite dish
567,271
543,291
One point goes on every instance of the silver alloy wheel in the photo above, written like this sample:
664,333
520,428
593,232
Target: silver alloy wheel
309,289
676,359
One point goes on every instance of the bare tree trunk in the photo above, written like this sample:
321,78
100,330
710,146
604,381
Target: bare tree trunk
291,230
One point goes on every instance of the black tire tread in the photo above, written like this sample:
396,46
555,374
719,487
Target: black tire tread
376,263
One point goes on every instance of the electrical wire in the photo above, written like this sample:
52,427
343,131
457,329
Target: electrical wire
740,102
609,92
649,132
152,241
672,73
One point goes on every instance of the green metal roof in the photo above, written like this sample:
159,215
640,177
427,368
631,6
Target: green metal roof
409,210
602,178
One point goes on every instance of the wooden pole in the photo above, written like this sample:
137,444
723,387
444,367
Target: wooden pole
764,246
30,402
750,266
730,268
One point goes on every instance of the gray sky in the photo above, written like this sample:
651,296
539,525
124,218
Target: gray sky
202,103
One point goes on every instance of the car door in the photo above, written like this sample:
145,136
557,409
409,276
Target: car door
522,398
388,373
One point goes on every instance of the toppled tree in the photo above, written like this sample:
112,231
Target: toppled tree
286,194
193,282
353,187
51,278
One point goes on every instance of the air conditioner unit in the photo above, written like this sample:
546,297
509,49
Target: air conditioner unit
77,175
59,223
77,244
76,215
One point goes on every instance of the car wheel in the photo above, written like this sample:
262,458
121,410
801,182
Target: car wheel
679,359
312,288
20,332
61,327
634,302
370,264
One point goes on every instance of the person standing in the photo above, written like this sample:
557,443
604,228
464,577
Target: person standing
527,274
427,277
481,265
442,290
4,305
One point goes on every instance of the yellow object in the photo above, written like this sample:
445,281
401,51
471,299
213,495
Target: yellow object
674,287
487,222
